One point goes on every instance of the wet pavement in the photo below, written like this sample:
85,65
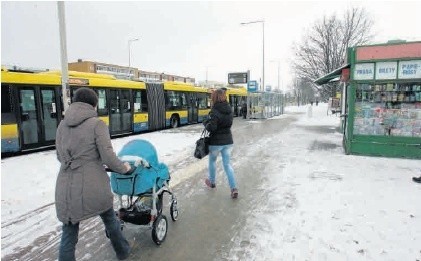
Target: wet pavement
208,218
296,191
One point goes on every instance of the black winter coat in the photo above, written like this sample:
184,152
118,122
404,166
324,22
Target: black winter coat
219,124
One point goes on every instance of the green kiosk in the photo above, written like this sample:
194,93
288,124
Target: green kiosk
381,99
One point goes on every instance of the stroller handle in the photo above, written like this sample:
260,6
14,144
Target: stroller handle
132,169
137,160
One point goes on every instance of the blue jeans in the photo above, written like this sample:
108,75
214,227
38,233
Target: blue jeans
70,234
225,152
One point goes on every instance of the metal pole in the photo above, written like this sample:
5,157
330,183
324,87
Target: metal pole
63,56
130,54
279,82
263,24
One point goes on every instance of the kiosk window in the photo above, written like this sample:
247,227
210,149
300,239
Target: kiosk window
390,109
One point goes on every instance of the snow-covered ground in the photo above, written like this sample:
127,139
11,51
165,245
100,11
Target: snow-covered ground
28,185
324,205
340,207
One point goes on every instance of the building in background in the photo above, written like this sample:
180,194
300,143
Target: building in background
124,72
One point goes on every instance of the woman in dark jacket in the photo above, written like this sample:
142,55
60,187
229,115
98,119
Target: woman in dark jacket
220,139
83,187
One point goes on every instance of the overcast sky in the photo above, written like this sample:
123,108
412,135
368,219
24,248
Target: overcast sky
184,38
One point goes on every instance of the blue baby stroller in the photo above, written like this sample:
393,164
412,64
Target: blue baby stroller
144,189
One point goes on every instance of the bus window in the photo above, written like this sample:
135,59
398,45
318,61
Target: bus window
172,101
72,92
209,100
183,100
102,102
140,101
29,116
125,101
175,100
144,99
49,114
202,101
7,113
137,101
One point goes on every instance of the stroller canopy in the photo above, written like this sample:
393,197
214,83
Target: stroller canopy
144,178
140,148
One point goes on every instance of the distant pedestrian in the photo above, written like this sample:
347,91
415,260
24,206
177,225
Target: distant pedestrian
317,103
244,110
83,187
220,139
311,103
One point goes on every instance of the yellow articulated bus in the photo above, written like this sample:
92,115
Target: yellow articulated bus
32,106
185,104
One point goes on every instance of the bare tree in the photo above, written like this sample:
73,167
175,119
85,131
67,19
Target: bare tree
325,45
303,91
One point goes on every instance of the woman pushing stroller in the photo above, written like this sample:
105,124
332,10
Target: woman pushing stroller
83,187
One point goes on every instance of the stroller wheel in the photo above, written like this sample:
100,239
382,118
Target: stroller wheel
174,210
159,229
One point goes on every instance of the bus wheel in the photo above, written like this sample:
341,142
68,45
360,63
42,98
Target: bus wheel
174,121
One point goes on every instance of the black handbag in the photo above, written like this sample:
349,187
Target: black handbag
202,145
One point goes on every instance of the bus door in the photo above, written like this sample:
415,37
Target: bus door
120,112
192,108
38,116
234,105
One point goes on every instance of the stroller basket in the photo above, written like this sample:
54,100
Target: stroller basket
137,217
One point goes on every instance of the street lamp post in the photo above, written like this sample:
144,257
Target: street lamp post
130,52
207,67
263,47
63,56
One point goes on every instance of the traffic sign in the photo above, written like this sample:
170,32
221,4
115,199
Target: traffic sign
252,86
235,78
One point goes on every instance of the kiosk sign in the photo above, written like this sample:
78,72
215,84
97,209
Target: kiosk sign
409,69
386,70
364,71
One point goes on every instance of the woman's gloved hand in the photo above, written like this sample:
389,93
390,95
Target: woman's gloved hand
129,168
